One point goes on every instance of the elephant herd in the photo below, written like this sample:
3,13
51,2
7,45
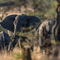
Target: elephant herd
14,23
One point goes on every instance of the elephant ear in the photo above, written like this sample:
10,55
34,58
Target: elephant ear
33,22
7,23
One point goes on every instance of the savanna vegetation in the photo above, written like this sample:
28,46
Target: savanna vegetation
43,9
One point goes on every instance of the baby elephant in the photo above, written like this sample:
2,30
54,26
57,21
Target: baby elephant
4,40
45,31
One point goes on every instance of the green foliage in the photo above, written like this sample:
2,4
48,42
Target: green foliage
42,8
51,10
55,42
2,29
19,56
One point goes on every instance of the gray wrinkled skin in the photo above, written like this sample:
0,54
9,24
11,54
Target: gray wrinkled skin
4,40
45,31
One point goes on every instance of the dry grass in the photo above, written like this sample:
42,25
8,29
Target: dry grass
20,54
5,56
15,55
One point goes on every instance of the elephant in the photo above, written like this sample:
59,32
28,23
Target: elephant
45,32
14,23
4,40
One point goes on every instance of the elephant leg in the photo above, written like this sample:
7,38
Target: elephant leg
15,25
41,42
14,31
10,33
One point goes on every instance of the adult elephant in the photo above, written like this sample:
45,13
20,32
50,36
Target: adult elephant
4,40
14,23
45,31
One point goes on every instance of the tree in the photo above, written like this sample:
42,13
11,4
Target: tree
57,24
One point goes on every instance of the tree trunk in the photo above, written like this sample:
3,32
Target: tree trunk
57,24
